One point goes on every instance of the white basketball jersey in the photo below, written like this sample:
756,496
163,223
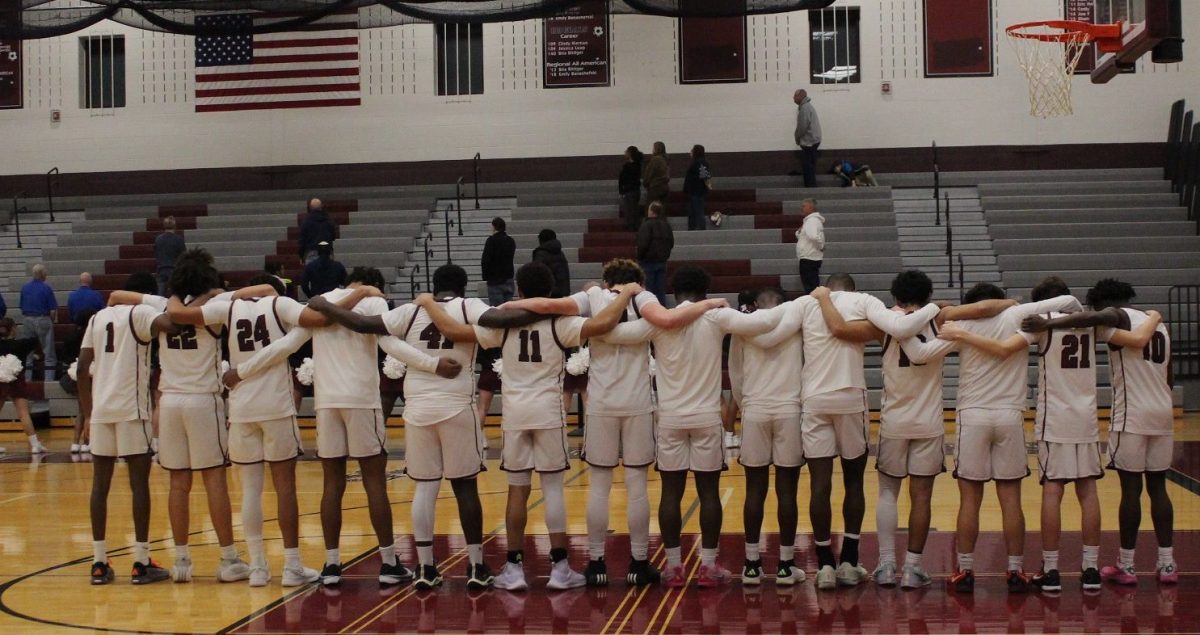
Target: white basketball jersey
534,360
618,375
770,377
190,359
1066,397
1141,393
428,398
832,365
345,363
251,326
120,338
912,393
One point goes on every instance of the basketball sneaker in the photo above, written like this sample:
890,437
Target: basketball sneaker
394,573
915,578
732,441
75,448
102,573
596,572
641,573
851,574
673,576
789,573
1090,579
331,575
826,578
1119,574
1048,581
37,447
260,576
511,578
182,571
1018,582
962,581
712,575
479,576
148,573
428,577
562,577
300,576
885,574
752,573
1168,574
234,570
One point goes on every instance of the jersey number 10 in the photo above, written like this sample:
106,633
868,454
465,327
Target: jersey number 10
1156,349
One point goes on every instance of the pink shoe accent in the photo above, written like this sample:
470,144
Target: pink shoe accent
712,576
1118,575
673,577
1168,575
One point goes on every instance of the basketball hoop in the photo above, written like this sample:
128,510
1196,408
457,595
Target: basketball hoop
1049,51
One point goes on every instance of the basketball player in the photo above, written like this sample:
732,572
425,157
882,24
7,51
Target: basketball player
836,415
1141,429
1066,427
441,430
114,371
620,427
534,423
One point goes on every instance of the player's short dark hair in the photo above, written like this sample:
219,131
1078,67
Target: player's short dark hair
769,292
142,282
535,280
368,276
266,278
1110,292
747,297
452,278
841,282
1051,287
546,235
194,274
690,281
498,224
984,291
912,287
622,271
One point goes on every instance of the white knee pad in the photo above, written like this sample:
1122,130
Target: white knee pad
520,479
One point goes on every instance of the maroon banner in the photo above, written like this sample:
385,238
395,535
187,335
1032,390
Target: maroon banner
575,46
958,38
12,91
712,50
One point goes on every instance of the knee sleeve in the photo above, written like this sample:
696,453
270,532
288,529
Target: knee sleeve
520,479
556,506
252,492
597,508
639,510
424,509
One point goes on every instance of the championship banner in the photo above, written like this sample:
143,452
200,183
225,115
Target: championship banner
12,91
575,49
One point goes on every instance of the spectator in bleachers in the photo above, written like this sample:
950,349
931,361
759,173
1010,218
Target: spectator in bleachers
15,390
549,252
656,175
85,299
168,247
38,305
316,229
808,136
654,244
629,186
696,184
852,175
323,274
810,245
3,307
497,263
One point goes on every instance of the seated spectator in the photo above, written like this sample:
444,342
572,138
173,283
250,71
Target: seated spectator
323,274
549,252
852,175
85,299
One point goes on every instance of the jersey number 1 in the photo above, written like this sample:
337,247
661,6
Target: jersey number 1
530,339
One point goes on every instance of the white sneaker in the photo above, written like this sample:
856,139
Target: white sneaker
915,578
37,447
75,448
512,578
85,449
182,571
259,576
885,574
826,578
732,441
562,577
850,574
233,570
297,577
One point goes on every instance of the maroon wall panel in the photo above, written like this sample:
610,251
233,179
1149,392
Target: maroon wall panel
958,38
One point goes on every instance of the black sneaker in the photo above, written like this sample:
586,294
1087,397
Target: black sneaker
596,572
102,573
148,573
1018,582
331,575
641,573
394,573
752,573
789,574
962,581
1048,581
479,576
1091,579
429,577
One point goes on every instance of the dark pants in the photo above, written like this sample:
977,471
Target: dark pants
695,210
656,279
500,293
808,164
810,275
631,211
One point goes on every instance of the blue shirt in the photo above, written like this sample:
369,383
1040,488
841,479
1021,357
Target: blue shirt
84,299
37,298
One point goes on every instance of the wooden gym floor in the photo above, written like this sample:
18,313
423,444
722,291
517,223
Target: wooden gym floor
45,543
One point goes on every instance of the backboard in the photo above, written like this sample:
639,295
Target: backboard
1146,25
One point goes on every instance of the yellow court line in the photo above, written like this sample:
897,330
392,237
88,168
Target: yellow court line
667,596
667,622
629,594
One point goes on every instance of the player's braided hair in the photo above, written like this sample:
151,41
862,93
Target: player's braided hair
622,271
1110,292
194,274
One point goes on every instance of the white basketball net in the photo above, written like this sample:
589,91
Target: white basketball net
1049,67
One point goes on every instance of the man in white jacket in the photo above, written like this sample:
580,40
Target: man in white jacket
810,245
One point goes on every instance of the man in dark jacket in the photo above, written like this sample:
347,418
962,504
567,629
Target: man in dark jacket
497,264
316,229
168,247
549,252
323,274
695,185
654,244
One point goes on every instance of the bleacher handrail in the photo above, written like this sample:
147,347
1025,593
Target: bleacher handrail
50,191
962,287
1183,318
475,168
1174,140
16,216
949,244
458,205
937,186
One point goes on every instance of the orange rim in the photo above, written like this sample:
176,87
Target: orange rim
1071,31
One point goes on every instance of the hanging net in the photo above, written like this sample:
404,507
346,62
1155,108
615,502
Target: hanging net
1049,53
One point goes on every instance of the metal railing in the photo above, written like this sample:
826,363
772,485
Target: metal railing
50,191
937,185
16,216
1183,321
428,254
962,287
949,245
458,202
475,169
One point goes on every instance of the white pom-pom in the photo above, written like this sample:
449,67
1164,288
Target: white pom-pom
224,367
304,374
73,370
653,366
394,368
498,368
580,361
10,368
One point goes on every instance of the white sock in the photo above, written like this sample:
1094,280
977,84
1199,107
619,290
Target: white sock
291,558
1049,560
638,515
1166,556
599,486
1126,559
1016,563
1091,557
183,552
674,556
258,554
333,556
388,554
554,501
912,560
887,517
752,550
787,553
141,552
252,514
99,551
708,556
229,552
425,555
475,553
33,439
966,561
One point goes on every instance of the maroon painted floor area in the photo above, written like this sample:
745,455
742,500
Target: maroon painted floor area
360,605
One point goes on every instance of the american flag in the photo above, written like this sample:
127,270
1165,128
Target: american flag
313,67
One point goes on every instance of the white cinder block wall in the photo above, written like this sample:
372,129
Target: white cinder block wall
402,118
